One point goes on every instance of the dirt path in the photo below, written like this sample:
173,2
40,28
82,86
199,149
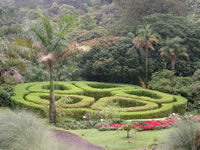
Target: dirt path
75,142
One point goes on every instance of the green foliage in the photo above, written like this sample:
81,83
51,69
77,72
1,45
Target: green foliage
71,124
144,94
36,73
161,81
127,101
118,62
136,10
23,131
124,104
90,35
6,92
128,127
110,110
185,137
87,22
163,111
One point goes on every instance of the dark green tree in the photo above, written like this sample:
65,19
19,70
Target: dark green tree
145,39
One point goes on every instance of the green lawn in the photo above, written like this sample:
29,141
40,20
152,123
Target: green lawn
116,140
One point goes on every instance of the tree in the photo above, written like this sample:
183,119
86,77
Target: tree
11,64
87,22
135,10
145,39
52,39
173,48
7,16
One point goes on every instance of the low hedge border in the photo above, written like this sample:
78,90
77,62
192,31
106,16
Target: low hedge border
163,111
76,113
179,106
70,88
85,102
19,101
161,98
37,98
99,90
145,105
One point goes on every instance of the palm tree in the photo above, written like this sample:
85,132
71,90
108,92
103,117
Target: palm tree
52,39
145,39
173,48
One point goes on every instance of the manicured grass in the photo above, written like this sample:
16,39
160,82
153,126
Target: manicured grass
116,140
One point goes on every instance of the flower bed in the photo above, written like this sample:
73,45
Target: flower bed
197,118
140,126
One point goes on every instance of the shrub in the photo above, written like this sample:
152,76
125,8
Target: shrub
184,137
6,92
77,102
125,104
146,95
62,88
99,90
161,81
163,111
24,131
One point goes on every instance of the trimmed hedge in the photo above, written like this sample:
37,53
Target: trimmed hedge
99,90
134,105
83,102
68,88
164,111
146,95
19,101
91,97
179,106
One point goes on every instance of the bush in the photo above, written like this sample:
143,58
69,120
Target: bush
65,88
99,90
125,104
119,62
146,95
161,81
163,111
184,137
24,131
6,92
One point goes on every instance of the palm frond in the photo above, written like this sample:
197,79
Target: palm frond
39,34
47,25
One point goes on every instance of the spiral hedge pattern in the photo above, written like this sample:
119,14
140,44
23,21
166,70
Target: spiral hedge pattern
90,97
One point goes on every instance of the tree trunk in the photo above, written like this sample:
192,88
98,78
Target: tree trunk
52,107
173,59
146,54
128,134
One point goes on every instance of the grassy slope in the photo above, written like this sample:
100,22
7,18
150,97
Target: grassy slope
116,140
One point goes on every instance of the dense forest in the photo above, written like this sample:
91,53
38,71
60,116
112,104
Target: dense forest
152,43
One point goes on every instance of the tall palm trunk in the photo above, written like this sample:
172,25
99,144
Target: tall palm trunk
173,59
52,107
146,54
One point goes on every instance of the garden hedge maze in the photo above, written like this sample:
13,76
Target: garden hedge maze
78,98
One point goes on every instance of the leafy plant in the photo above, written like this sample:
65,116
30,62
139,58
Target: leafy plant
110,110
128,127
24,131
184,137
6,92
